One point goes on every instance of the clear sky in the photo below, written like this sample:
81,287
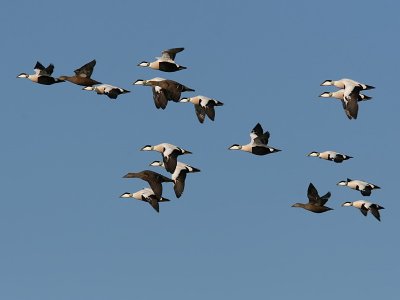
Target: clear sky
66,234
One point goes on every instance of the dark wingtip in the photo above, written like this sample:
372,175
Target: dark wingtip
369,87
182,68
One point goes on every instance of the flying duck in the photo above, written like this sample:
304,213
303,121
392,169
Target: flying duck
339,94
341,84
364,187
258,144
82,75
166,62
330,155
351,94
153,179
203,106
365,207
146,195
169,153
350,108
179,175
315,203
164,90
110,91
42,75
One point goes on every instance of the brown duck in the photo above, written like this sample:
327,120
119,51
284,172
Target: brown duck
315,202
82,75
154,180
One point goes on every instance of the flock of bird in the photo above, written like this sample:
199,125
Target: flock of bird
165,90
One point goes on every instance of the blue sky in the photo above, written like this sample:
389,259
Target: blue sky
64,232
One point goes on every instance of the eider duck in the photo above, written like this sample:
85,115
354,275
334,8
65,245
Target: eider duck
316,204
364,187
351,94
339,94
164,90
169,153
110,91
365,207
82,75
330,155
203,106
153,179
341,84
258,144
42,75
146,195
166,62
179,175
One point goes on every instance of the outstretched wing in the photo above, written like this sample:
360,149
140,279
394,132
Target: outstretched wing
200,113
364,210
86,70
159,97
153,201
314,198
41,70
180,183
170,54
375,211
312,194
257,136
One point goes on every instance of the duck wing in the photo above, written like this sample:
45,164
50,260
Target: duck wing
86,70
200,113
170,54
159,97
180,183
257,136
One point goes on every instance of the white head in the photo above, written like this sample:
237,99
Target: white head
23,75
126,195
347,203
157,163
342,183
184,100
140,82
147,148
326,95
144,64
89,88
327,83
313,154
235,147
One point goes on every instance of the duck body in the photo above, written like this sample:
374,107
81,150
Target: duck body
258,144
351,94
330,155
146,195
341,84
169,153
166,62
364,187
82,75
110,91
164,90
179,175
203,106
316,204
154,179
42,75
365,207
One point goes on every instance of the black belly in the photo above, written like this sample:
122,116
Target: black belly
168,67
260,150
47,80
